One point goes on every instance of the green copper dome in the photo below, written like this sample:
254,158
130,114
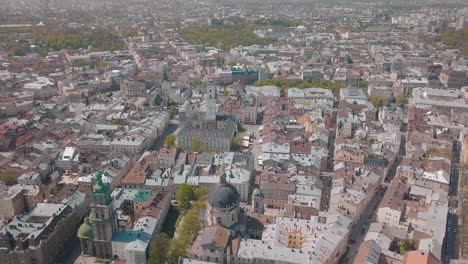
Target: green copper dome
86,230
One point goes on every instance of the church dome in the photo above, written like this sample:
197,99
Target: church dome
301,28
86,230
223,195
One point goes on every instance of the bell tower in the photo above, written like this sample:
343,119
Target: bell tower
210,99
102,218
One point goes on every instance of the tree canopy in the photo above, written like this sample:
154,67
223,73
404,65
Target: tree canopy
199,146
7,179
196,145
223,37
170,141
173,110
184,195
301,84
455,39
277,22
400,100
405,245
188,228
159,250
236,144
56,38
378,101
240,127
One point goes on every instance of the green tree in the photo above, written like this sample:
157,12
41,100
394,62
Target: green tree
200,193
428,153
7,179
196,146
159,249
79,63
240,127
236,144
170,140
191,224
454,39
400,100
378,101
178,250
302,84
184,195
405,245
223,37
173,110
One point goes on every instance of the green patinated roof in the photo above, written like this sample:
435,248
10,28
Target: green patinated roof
240,71
141,196
237,72
86,230
100,186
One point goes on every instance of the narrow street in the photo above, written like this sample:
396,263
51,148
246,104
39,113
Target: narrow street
359,230
70,253
327,176
171,128
452,238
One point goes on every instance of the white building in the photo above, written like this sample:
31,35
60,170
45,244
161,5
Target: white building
291,240
42,88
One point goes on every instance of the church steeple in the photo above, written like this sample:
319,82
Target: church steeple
222,179
210,100
102,217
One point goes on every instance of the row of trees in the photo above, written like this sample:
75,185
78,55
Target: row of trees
57,39
455,39
7,179
200,146
302,84
223,37
378,101
190,201
277,22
